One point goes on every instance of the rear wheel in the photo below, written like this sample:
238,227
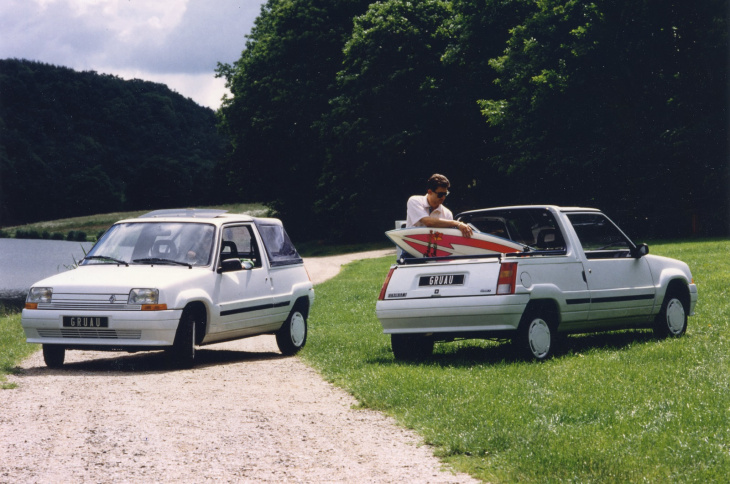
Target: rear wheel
411,347
536,336
672,319
292,335
54,355
182,353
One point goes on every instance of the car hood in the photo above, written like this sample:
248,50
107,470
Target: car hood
120,279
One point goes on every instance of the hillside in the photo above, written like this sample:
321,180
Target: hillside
75,143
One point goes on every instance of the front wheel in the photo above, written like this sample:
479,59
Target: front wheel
672,319
182,353
536,336
292,335
54,355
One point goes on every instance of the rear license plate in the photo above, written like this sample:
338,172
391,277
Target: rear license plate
85,322
442,280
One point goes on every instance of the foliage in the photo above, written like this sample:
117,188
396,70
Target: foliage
612,407
74,143
615,104
281,86
611,104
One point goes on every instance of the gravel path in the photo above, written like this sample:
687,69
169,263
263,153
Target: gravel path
243,414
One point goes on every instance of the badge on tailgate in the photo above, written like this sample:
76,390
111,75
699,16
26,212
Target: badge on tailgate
442,280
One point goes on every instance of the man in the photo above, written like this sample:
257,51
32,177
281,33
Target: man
428,210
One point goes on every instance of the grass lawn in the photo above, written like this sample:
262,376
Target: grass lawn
13,347
614,407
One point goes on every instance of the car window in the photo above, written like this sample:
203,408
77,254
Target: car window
279,247
598,235
239,242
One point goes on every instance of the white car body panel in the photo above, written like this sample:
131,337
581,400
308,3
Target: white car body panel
602,288
238,303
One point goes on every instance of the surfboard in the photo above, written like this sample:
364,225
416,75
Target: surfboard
430,242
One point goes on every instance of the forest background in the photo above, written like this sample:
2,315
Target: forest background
341,110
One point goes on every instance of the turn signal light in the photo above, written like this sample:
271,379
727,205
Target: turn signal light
154,307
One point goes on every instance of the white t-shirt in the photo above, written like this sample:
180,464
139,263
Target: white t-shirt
418,208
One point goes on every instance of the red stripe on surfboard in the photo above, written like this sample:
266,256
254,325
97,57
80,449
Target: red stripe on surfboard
447,241
422,249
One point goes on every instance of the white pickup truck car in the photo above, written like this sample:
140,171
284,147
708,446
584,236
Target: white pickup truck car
578,272
174,280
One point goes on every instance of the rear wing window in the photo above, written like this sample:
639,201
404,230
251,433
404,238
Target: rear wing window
278,246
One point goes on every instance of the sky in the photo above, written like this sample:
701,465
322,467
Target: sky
174,42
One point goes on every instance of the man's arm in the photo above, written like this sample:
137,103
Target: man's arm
439,223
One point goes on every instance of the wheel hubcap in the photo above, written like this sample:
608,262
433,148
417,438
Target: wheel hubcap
675,316
538,337
298,329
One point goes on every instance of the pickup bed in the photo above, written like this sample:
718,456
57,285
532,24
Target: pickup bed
577,273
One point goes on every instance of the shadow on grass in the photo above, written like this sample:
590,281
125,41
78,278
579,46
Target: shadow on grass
468,353
147,362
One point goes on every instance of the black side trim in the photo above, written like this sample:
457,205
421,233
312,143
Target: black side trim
249,309
640,297
578,301
600,300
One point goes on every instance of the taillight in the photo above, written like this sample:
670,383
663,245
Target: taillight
385,284
507,278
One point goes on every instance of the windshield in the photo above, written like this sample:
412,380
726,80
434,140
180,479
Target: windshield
154,242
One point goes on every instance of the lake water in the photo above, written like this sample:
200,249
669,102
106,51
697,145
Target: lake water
25,262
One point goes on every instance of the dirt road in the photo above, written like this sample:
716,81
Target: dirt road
243,414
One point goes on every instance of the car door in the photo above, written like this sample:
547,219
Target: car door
621,287
244,296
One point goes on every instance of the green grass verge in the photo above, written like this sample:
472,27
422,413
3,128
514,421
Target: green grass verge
13,347
613,407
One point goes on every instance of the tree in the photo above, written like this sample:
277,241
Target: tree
281,86
591,110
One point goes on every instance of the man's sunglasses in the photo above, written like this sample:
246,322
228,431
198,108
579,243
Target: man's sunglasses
441,194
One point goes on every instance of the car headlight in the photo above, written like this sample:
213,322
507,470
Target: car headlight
143,296
39,295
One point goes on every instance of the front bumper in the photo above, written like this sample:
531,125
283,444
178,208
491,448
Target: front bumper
126,328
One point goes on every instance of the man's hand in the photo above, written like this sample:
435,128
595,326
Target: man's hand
466,231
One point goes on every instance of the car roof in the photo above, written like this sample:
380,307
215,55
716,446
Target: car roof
191,215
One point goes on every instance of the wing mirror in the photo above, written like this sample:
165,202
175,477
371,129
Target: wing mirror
639,251
230,265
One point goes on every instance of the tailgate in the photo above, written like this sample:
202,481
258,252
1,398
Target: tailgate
445,279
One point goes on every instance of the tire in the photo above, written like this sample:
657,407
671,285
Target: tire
672,319
536,336
292,336
182,353
411,347
54,355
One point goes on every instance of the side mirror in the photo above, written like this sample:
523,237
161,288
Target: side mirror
639,251
230,265
247,265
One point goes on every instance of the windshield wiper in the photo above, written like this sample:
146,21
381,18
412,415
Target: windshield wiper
158,260
105,257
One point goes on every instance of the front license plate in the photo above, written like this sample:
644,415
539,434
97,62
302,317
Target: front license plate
85,322
442,280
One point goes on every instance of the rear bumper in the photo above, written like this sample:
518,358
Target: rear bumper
126,328
452,315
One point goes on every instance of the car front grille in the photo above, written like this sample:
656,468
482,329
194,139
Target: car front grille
90,302
92,333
